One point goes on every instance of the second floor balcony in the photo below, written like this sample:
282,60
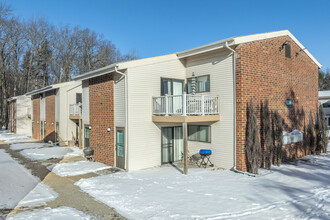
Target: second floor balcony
75,111
186,108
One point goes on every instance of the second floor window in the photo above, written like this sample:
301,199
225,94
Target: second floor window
202,84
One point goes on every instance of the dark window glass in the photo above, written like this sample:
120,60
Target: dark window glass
288,50
86,137
78,98
201,133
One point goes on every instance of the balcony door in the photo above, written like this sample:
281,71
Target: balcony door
173,88
120,148
172,144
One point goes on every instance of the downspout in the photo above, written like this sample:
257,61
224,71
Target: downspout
234,110
126,115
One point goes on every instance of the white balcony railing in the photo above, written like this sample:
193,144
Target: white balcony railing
186,105
75,109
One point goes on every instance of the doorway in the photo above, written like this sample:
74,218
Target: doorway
172,144
120,148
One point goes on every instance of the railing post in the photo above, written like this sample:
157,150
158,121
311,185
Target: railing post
202,104
184,104
166,105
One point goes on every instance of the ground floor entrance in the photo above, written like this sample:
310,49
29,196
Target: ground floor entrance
172,144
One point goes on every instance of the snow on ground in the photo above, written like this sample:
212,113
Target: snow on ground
28,146
45,153
76,151
286,192
78,168
15,181
41,194
51,214
11,137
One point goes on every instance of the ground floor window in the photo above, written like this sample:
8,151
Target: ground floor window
86,137
200,133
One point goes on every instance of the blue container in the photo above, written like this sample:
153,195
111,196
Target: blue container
205,152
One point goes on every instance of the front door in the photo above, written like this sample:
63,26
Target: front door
120,148
172,144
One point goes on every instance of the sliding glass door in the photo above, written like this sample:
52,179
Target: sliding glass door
172,144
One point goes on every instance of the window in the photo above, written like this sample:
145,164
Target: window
326,105
171,87
200,133
288,50
78,98
86,137
202,84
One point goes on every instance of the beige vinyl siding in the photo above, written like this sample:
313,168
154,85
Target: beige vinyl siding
85,102
57,106
43,108
144,136
67,94
220,68
23,123
119,96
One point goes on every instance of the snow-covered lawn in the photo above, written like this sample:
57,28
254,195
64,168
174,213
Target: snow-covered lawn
78,168
52,214
288,192
45,153
41,194
15,181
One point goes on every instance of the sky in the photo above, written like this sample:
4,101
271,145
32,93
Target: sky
153,28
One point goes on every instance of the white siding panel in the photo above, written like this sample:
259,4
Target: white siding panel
23,123
43,108
220,68
119,101
85,102
57,106
144,136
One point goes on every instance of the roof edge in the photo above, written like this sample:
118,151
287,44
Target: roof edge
38,91
95,73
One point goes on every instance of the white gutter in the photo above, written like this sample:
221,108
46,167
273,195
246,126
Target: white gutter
234,110
126,115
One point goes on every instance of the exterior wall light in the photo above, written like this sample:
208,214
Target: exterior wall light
90,127
109,129
288,102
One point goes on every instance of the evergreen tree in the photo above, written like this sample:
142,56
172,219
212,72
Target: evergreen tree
252,147
310,133
268,137
323,129
278,135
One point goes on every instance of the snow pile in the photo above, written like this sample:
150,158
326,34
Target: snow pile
78,168
51,214
45,153
15,181
11,137
28,146
76,151
38,196
287,192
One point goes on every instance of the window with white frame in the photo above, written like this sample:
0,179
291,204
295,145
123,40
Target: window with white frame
202,84
201,133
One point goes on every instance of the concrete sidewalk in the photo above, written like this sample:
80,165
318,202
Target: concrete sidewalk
70,195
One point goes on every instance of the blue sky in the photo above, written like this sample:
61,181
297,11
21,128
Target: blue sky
160,27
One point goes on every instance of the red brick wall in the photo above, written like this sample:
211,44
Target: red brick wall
101,116
36,117
50,116
263,72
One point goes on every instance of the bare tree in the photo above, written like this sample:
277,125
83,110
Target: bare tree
323,130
